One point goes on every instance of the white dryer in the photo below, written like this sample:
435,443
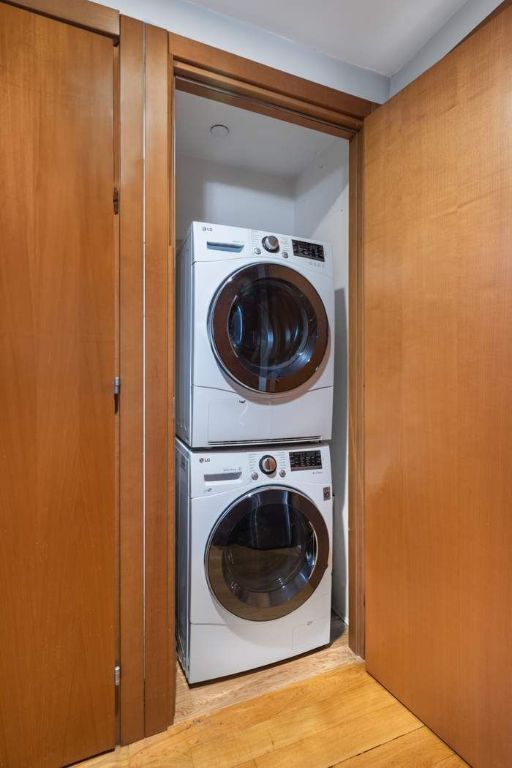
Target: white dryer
255,324
253,557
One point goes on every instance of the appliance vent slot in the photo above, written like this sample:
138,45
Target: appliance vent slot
275,440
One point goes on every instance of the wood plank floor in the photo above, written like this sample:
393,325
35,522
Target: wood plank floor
192,701
339,718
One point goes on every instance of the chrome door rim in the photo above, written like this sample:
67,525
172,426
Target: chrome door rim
220,341
248,608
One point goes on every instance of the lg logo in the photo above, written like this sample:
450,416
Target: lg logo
202,460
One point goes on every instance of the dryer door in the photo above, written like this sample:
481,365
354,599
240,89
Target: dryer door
267,553
268,328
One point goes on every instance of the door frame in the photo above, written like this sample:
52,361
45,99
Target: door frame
206,71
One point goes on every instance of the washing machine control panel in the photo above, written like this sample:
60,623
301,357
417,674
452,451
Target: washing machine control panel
219,471
300,460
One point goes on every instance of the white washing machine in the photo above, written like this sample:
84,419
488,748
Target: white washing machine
255,324
253,556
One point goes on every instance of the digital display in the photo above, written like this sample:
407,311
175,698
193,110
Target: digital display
308,250
305,460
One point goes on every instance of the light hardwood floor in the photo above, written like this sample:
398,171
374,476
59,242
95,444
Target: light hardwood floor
192,701
339,718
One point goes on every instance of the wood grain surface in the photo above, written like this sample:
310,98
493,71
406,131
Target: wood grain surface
438,395
131,610
254,104
57,352
356,540
340,718
193,701
83,13
215,61
254,93
159,432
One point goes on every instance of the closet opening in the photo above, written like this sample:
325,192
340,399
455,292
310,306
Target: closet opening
253,184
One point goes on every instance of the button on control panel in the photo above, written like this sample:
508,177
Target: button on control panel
270,243
268,465
305,460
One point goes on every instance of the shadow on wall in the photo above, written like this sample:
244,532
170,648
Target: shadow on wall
339,448
321,212
223,195
321,186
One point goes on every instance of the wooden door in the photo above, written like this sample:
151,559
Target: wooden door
438,400
57,362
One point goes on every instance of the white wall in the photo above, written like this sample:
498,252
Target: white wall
314,205
257,44
207,191
455,30
321,211
244,39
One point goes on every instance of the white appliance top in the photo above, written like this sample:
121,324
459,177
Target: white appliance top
216,242
214,472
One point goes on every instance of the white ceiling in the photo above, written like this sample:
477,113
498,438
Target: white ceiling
381,35
255,142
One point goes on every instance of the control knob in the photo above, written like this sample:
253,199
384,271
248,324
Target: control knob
270,243
268,465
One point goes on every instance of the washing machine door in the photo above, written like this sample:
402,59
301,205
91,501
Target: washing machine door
267,553
268,328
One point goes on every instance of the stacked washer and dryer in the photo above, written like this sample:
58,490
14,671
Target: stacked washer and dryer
255,320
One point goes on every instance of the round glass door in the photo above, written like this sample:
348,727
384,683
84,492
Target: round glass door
268,328
267,553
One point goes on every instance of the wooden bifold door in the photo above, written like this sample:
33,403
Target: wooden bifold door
437,244
57,420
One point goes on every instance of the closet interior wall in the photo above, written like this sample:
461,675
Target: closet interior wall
272,176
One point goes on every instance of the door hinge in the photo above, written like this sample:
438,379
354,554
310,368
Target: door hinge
117,675
116,200
116,389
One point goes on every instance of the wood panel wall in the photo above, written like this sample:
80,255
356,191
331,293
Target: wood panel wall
159,286
58,291
438,395
131,529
